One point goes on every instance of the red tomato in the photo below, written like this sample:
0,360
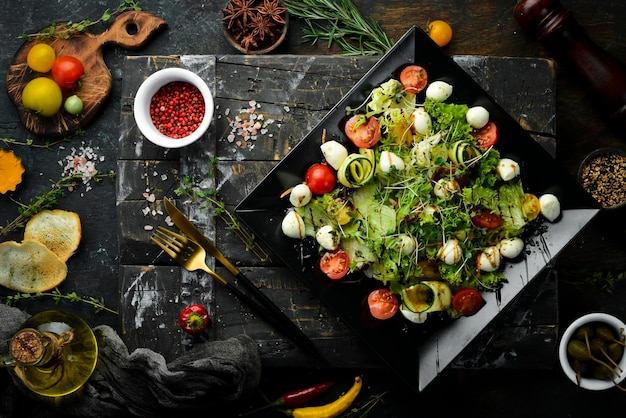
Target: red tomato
467,300
487,219
414,78
383,304
66,71
320,178
335,264
487,136
363,132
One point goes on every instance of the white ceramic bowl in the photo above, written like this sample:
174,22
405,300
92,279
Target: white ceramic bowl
587,382
147,89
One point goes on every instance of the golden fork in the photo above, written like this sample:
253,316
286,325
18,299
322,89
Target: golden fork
192,257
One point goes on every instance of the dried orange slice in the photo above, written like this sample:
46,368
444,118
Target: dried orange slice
11,170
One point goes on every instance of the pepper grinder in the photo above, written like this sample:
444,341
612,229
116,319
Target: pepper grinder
557,28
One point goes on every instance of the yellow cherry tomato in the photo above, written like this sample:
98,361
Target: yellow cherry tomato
40,58
440,32
43,96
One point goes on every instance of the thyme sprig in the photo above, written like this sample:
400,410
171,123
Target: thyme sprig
69,29
340,21
58,296
31,143
45,201
208,199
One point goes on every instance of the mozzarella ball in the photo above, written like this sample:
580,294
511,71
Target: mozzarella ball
415,317
508,169
439,91
327,237
489,259
550,206
300,195
451,252
477,117
421,121
389,160
334,153
511,247
445,188
407,244
293,225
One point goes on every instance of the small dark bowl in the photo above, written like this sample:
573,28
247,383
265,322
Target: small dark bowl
264,50
589,158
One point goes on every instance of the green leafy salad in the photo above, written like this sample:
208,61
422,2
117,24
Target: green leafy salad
425,199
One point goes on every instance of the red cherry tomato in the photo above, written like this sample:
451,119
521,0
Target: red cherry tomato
487,136
467,301
383,304
194,319
335,264
320,178
363,132
414,78
67,71
487,219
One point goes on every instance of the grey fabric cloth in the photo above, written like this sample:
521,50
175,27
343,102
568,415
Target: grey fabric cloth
211,375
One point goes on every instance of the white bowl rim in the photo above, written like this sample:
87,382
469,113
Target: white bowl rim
590,383
150,86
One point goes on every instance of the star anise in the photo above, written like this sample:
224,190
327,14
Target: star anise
262,26
239,9
248,42
273,10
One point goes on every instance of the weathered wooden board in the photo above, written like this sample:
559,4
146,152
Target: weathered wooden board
287,95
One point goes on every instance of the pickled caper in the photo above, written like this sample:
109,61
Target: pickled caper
597,347
580,366
585,330
601,372
607,334
578,350
615,351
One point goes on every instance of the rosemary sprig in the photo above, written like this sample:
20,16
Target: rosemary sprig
69,29
340,21
208,199
57,296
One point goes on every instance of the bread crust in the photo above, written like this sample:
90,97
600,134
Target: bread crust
57,229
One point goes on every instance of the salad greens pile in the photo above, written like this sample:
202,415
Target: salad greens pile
402,217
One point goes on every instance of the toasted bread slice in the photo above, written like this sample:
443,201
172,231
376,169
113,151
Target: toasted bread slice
30,267
59,230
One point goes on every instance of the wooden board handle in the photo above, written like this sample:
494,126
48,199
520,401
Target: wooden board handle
131,30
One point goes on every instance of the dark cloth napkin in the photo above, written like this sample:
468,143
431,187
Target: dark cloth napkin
210,376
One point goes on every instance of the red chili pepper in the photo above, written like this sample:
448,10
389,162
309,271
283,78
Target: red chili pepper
194,319
297,397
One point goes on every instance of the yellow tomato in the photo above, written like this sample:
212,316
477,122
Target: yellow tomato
440,32
42,95
40,58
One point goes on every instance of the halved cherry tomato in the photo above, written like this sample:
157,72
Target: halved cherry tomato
383,304
320,178
363,132
467,301
414,78
487,136
67,71
487,219
335,264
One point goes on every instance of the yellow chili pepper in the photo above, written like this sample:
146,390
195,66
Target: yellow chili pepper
332,409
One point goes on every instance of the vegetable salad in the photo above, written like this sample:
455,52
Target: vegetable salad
424,202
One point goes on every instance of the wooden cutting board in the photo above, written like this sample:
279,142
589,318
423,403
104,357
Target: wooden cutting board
129,30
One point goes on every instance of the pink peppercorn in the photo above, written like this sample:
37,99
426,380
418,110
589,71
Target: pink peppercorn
177,109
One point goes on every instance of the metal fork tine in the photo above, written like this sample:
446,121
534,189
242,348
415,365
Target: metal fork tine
163,245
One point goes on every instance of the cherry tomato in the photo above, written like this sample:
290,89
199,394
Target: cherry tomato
487,219
467,301
73,105
335,264
41,57
320,178
487,136
67,71
414,78
383,304
440,32
363,132
43,96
